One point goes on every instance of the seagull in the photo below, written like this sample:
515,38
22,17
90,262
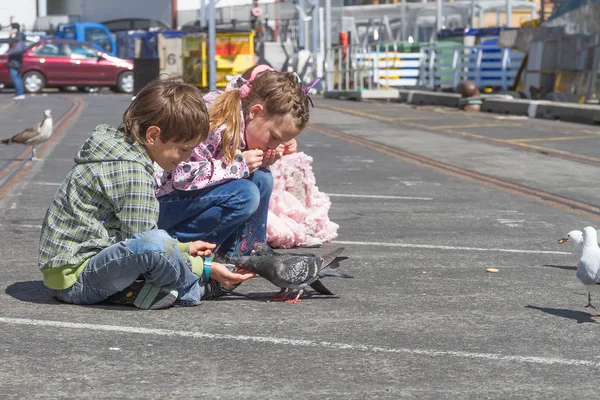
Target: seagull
576,237
34,135
588,268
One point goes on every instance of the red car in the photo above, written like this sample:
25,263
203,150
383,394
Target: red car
62,63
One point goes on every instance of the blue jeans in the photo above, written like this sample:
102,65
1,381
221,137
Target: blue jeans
233,215
15,75
153,255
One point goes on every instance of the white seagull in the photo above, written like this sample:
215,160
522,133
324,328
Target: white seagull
34,135
588,268
575,237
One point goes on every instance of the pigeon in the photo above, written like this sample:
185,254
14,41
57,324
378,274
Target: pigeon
588,268
34,135
292,271
263,249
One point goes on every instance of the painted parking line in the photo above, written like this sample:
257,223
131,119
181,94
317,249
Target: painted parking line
442,247
303,343
553,139
387,244
373,196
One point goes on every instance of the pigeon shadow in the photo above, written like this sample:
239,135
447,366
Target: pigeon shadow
268,297
567,267
32,292
579,316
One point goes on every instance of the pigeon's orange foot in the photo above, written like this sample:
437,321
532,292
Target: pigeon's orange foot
296,300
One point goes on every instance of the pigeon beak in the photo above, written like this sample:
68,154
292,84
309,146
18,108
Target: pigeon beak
561,241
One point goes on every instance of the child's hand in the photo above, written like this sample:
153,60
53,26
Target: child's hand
225,277
270,156
201,249
289,147
254,159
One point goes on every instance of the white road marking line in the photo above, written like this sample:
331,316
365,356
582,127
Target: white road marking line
303,343
372,196
47,183
22,226
431,246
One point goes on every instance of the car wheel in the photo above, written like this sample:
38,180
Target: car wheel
125,82
33,82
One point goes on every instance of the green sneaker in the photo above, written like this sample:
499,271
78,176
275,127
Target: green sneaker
146,296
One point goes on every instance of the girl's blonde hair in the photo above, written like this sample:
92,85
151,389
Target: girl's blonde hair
279,92
177,108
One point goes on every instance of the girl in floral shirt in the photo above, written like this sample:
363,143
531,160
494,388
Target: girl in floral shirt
222,193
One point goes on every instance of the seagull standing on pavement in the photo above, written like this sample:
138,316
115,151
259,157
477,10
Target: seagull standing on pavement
34,135
588,268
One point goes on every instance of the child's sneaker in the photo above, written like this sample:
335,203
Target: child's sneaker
145,296
213,289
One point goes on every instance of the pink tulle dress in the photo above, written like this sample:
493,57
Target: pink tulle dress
298,211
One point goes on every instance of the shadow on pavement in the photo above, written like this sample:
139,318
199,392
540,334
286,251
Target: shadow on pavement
31,292
567,267
579,316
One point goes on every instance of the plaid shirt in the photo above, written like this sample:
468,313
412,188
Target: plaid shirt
107,197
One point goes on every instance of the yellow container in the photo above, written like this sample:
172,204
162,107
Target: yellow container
234,55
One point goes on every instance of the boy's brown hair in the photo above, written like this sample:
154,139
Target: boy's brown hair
281,94
177,108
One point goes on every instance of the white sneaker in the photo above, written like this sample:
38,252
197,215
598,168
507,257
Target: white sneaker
311,242
21,97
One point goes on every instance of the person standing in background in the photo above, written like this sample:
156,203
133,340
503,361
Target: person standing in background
15,59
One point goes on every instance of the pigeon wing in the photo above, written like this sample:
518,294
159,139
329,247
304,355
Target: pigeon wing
297,270
26,135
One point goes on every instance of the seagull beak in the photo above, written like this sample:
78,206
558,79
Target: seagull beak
561,241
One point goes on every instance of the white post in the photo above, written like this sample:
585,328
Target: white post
403,21
438,18
202,14
42,8
212,36
328,46
322,47
509,13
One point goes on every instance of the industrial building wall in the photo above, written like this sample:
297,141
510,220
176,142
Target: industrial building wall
103,10
23,12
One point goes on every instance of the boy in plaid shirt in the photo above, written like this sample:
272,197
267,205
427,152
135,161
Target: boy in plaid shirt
99,235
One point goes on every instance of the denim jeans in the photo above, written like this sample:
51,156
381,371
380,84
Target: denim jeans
233,215
153,255
15,75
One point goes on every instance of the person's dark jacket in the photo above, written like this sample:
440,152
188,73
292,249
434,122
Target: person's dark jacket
15,53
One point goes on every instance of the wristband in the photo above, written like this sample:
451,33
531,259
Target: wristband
207,265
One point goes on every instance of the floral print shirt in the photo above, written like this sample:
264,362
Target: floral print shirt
207,165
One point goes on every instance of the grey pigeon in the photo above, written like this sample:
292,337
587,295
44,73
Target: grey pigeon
588,268
263,249
34,135
292,271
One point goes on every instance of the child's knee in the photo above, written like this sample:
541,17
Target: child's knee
263,179
155,240
251,200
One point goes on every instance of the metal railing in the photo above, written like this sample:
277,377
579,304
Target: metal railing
371,67
487,65
381,66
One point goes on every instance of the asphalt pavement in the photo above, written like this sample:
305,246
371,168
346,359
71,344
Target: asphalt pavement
421,319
